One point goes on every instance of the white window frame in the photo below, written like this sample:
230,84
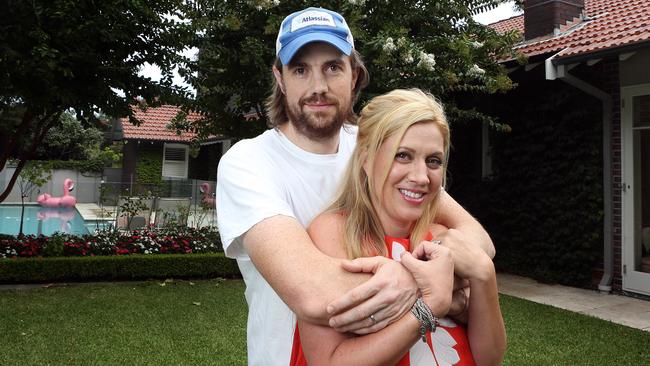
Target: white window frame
165,171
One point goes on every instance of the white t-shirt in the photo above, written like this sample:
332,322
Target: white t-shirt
260,178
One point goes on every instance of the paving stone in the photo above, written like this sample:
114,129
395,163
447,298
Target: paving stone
619,309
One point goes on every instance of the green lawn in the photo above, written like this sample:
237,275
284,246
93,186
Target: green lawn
125,324
543,335
203,323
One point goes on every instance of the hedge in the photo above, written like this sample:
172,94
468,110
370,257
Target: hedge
149,167
111,268
544,206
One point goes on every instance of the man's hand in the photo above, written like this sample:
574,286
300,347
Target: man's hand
387,296
460,301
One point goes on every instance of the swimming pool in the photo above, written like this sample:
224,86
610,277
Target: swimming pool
42,220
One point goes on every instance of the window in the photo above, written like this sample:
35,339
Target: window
175,161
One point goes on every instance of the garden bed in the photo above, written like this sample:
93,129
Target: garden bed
178,252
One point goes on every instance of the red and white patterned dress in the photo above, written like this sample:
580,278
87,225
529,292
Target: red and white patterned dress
447,346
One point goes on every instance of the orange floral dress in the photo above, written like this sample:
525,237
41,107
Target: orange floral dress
447,346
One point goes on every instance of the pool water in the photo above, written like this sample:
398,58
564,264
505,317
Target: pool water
42,220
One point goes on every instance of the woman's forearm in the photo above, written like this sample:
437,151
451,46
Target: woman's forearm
453,216
486,331
386,347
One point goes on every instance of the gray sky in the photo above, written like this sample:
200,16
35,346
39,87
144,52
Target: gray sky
504,11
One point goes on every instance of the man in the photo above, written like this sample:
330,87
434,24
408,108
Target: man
269,189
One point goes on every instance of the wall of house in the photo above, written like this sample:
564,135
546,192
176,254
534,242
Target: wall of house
141,164
204,166
129,159
635,70
612,85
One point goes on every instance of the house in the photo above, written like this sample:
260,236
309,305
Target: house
154,153
567,192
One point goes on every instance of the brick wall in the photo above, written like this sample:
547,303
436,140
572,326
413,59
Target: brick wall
612,86
543,16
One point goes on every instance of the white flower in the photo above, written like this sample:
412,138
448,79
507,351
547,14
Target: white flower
389,46
427,61
476,44
265,4
475,70
441,352
408,58
357,2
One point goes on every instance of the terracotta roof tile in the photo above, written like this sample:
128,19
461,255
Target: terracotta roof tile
153,126
608,24
514,23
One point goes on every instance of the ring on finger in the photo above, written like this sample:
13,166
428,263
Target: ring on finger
374,320
436,242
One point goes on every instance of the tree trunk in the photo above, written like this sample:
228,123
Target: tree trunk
47,122
22,214
12,142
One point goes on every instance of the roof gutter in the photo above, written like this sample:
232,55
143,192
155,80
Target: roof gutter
615,51
561,72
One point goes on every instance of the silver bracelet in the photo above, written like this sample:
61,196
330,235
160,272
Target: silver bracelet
427,320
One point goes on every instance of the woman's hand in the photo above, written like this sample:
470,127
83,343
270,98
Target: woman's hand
432,268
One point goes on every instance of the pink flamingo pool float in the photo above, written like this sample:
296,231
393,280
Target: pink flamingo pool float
206,189
66,200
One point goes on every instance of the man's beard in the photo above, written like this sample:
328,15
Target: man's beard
316,126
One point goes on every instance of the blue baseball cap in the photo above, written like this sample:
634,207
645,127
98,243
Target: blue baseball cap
312,25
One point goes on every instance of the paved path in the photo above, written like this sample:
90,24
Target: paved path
619,309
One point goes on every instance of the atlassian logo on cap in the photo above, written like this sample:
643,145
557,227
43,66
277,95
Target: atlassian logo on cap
312,18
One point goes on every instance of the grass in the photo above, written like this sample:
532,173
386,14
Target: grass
543,335
204,323
125,324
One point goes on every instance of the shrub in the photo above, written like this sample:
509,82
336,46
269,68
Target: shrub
117,267
168,240
110,255
543,207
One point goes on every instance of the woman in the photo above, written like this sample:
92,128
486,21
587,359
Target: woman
387,203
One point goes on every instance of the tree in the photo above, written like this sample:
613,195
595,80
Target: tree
433,45
69,140
32,177
81,56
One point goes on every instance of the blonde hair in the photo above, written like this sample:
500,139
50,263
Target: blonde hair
384,116
276,110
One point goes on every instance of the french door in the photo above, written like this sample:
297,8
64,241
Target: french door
635,125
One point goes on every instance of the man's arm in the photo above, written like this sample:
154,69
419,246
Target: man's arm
307,280
257,222
325,346
463,228
456,218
